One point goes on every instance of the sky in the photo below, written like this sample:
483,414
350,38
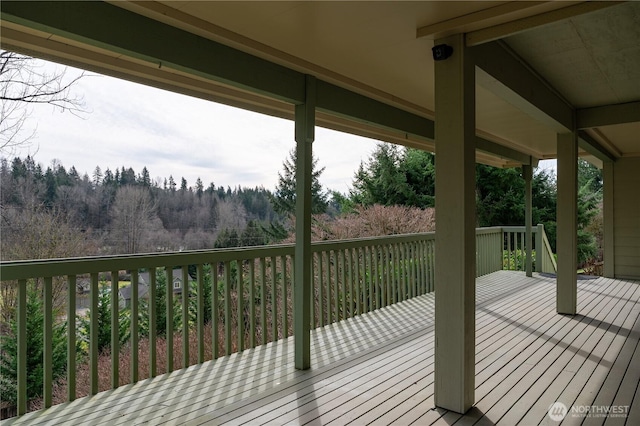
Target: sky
132,125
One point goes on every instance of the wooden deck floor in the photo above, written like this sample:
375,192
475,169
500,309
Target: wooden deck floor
378,368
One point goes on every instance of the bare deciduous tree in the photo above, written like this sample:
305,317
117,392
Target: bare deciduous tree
24,83
133,215
34,232
231,215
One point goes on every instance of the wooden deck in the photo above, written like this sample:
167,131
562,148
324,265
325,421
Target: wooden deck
378,368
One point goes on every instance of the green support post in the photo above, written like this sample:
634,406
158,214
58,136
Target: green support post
304,135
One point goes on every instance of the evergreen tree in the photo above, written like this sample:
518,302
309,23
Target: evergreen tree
199,188
145,179
104,322
395,176
284,198
97,176
253,235
35,346
227,238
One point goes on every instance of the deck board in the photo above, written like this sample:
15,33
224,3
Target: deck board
378,368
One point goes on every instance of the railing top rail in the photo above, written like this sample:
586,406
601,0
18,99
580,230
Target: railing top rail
25,269
319,246
534,229
489,230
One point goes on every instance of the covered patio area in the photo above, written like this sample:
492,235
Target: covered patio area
378,368
502,83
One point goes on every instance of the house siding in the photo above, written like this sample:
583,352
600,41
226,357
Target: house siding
626,216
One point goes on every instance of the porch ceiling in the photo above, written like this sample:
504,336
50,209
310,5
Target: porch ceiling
586,54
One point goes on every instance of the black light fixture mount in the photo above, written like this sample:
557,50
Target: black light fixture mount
441,52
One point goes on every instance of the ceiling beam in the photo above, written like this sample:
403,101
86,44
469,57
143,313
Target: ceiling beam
517,83
497,32
593,147
343,102
455,25
118,30
608,115
502,151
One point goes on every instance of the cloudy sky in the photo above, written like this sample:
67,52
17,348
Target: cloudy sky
132,125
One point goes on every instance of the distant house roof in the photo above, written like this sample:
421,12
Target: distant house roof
144,278
125,292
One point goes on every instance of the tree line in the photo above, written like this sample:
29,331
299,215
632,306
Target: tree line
406,176
123,211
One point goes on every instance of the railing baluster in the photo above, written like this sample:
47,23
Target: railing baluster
417,263
320,290
215,313
285,313
407,270
427,272
93,334
336,292
169,315
388,266
411,259
398,259
350,278
153,315
343,284
378,288
357,281
47,372
384,274
314,270
509,251
227,308
375,300
522,252
263,300
252,305
185,315
274,301
200,316
215,339
240,306
369,269
423,267
134,326
115,331
71,338
22,347
403,271
327,255
421,287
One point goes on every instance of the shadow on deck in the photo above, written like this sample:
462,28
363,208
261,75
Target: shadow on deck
378,368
